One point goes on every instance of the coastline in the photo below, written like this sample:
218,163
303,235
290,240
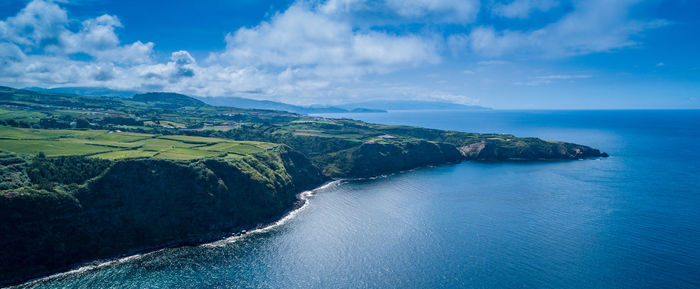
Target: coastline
286,217
209,240
218,239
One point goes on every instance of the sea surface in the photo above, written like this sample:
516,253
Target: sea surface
628,221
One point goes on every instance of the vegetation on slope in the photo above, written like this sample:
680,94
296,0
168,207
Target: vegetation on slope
171,100
57,211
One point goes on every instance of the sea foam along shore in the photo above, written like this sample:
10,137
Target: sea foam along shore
303,203
303,197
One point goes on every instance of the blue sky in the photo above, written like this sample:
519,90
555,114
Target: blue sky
512,54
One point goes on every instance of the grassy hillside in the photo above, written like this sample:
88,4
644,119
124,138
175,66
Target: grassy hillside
327,142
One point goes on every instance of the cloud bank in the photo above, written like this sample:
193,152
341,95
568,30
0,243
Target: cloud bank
311,50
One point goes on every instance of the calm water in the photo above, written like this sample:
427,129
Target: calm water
628,221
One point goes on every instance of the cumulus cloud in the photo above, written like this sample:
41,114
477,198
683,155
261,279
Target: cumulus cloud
41,32
97,34
38,46
303,50
184,64
302,37
307,51
36,25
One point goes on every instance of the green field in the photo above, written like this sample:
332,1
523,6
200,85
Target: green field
126,154
21,115
192,139
121,145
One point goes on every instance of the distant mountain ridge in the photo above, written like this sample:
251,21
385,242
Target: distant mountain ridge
174,99
239,102
377,106
248,103
87,91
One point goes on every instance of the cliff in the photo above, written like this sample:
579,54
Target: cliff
402,148
375,158
499,149
60,211
380,157
132,205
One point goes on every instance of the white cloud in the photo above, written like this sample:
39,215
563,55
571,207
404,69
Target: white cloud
181,67
96,34
493,62
311,52
593,26
37,24
303,37
453,11
451,97
98,39
42,28
435,11
523,8
341,6
37,47
486,41
10,53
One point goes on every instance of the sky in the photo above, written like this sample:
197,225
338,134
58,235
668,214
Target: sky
509,54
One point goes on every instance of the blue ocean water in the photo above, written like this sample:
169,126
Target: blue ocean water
628,221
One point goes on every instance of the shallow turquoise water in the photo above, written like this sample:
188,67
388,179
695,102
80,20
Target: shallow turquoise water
628,221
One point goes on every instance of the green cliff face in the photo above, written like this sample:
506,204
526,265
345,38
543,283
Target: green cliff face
137,204
375,158
497,147
526,149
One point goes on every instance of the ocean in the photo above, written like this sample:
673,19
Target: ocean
628,221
